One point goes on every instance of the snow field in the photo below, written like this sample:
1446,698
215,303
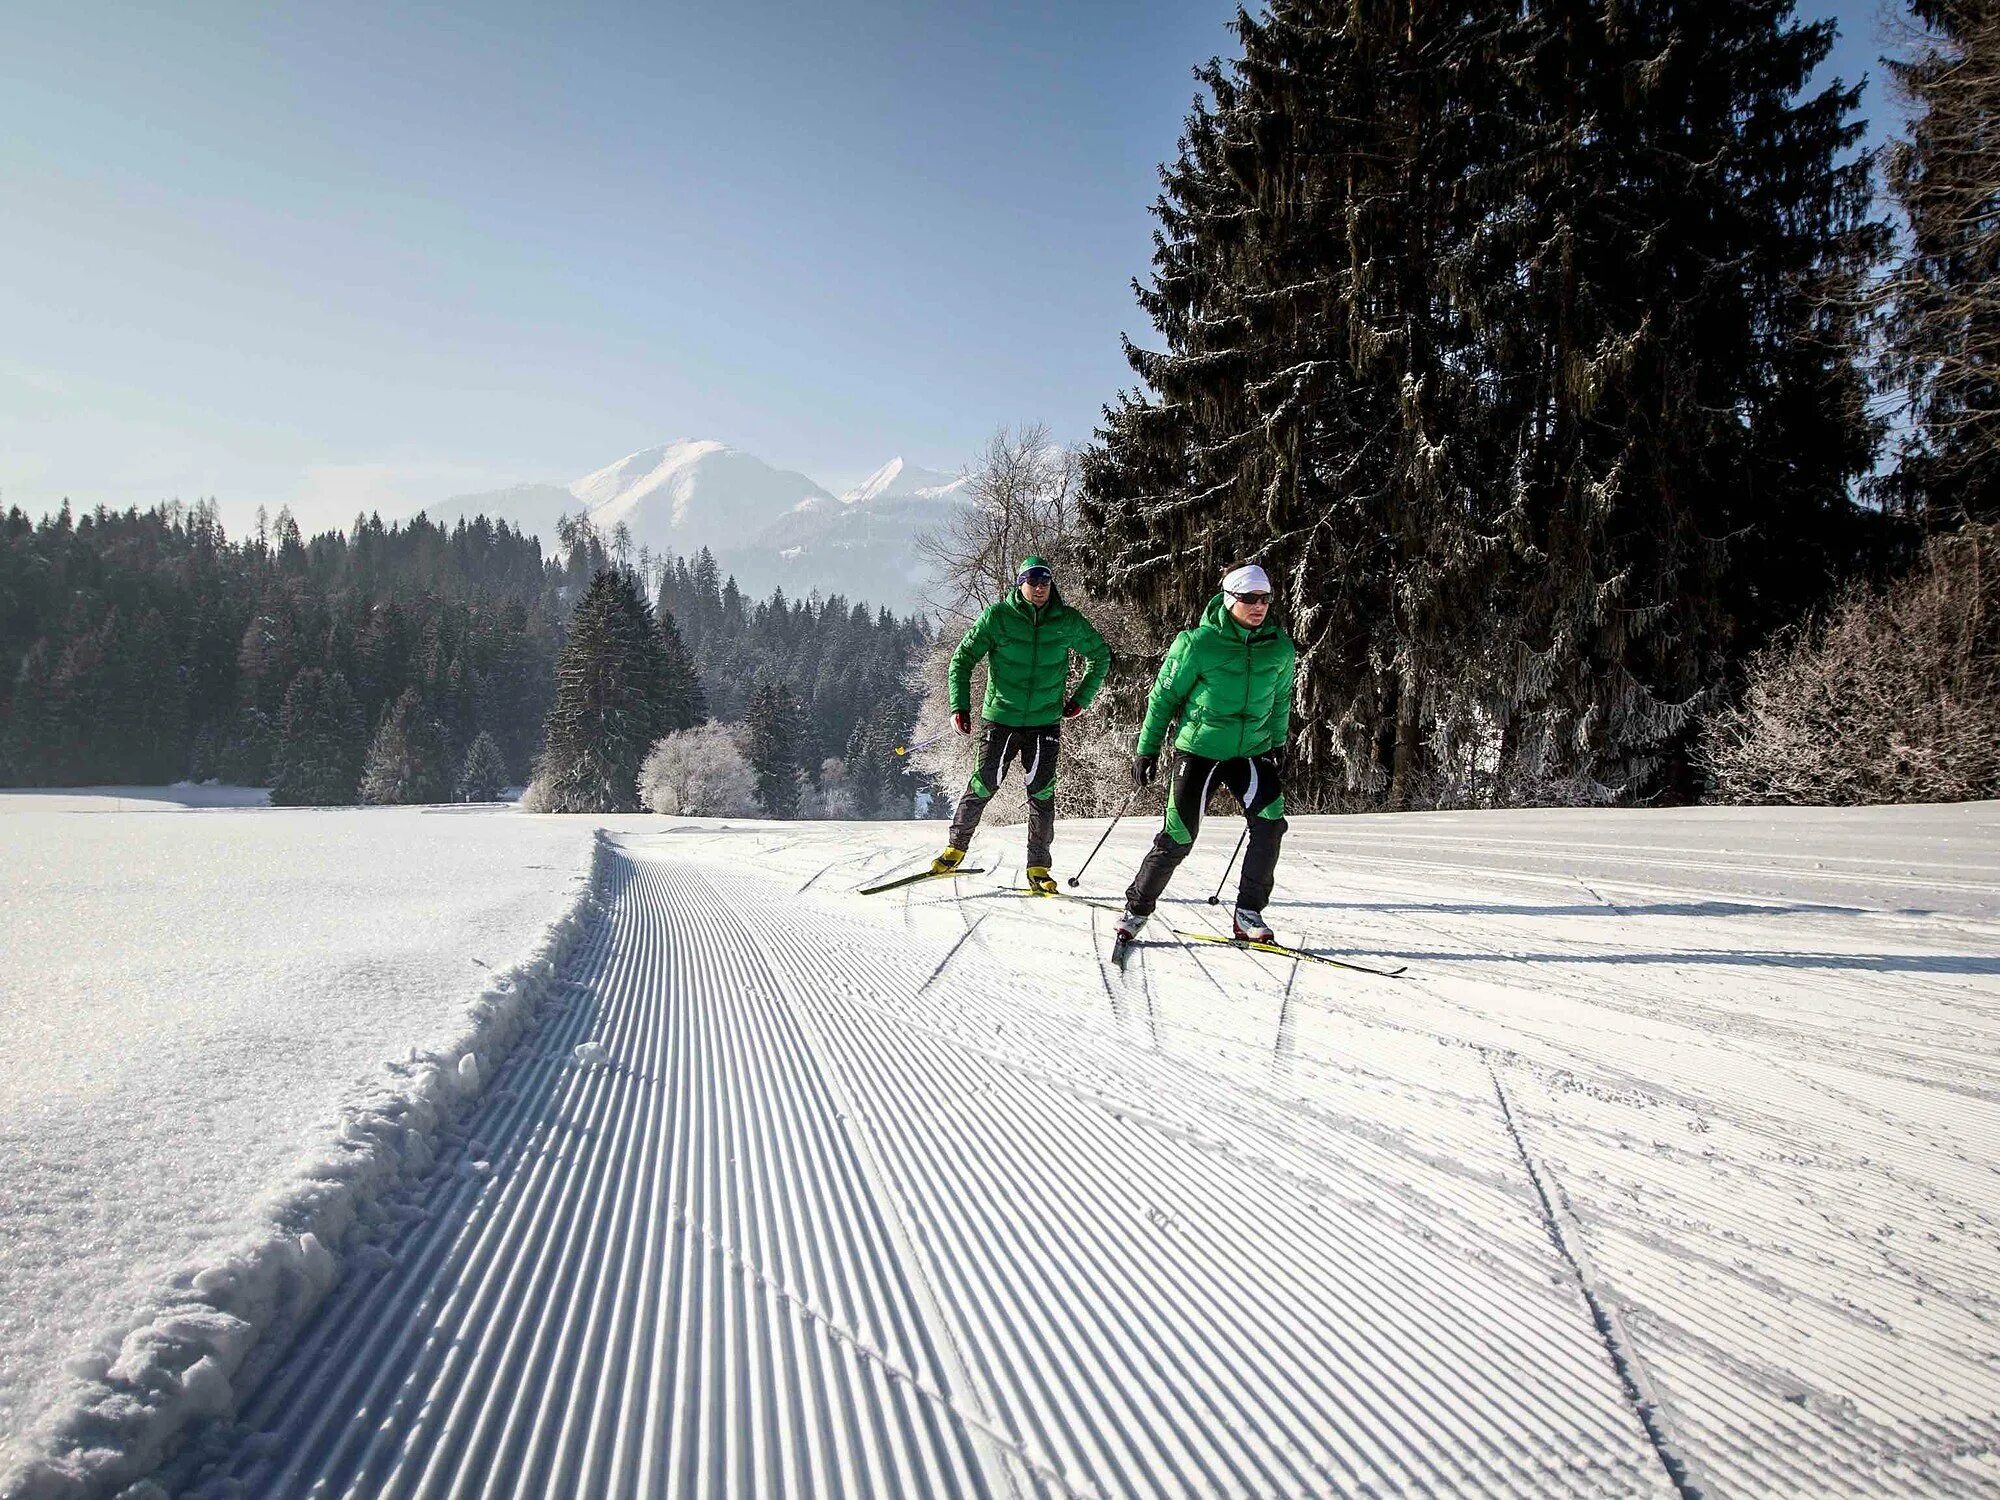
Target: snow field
813,1193
1671,1167
195,1011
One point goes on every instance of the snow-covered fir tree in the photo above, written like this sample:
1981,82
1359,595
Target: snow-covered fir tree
408,760
1942,302
484,776
772,731
320,743
687,703
1674,367
614,698
1518,345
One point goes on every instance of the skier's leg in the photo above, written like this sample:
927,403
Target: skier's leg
1040,748
1264,806
1187,794
994,749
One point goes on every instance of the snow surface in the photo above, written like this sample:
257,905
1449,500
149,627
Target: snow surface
196,1011
1671,1167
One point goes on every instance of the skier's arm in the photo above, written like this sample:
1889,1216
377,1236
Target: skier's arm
1096,662
970,651
1170,691
1281,706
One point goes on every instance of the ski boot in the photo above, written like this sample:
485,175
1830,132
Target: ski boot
1040,881
1251,927
1123,935
948,861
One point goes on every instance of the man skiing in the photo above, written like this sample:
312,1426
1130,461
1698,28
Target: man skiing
1026,640
1230,681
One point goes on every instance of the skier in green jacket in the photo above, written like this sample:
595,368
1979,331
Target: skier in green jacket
1229,680
1026,639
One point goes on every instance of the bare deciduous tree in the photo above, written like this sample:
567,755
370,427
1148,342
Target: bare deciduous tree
1023,498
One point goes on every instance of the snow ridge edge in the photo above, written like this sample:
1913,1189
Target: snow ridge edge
183,1356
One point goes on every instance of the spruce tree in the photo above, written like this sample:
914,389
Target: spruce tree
775,746
612,687
484,776
1682,392
320,742
687,703
1942,303
1314,408
408,761
1518,345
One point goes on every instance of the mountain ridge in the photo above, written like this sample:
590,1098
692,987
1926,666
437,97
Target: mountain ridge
771,527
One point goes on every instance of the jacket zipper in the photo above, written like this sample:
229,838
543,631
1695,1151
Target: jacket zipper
1034,648
1243,734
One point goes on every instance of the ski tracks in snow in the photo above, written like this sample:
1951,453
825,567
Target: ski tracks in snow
835,1218
913,1195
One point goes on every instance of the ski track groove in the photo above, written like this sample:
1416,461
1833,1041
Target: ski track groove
863,1205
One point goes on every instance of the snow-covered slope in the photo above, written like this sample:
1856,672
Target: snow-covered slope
684,496
897,480
209,1034
1669,1167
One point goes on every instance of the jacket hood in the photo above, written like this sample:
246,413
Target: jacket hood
1055,600
1217,617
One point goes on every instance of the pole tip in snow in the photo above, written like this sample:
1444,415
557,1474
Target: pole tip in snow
1072,881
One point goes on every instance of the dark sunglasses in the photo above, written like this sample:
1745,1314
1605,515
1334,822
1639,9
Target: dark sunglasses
1037,575
1257,598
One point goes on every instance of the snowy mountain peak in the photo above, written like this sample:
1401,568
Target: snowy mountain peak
898,479
612,493
683,496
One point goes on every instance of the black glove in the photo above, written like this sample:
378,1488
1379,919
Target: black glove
1145,768
1275,756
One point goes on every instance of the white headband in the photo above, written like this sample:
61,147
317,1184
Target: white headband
1248,579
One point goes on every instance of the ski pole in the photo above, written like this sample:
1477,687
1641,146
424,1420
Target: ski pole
1216,899
1127,807
922,744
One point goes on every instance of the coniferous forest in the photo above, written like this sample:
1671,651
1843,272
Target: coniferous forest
387,663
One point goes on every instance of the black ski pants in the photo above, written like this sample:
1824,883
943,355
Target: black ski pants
1258,786
1003,744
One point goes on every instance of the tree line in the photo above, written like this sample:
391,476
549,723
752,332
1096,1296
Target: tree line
1544,353
407,662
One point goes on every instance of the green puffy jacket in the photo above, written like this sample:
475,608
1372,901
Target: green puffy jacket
1028,661
1231,686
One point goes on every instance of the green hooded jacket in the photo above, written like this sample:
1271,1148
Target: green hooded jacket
1027,668
1231,686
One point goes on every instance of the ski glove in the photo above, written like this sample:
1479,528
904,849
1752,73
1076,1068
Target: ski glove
1071,709
962,722
1276,756
1145,768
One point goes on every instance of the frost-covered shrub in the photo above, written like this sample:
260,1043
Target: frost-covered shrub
833,799
1891,697
700,772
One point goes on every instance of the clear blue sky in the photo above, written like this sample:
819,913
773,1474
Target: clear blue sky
360,254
